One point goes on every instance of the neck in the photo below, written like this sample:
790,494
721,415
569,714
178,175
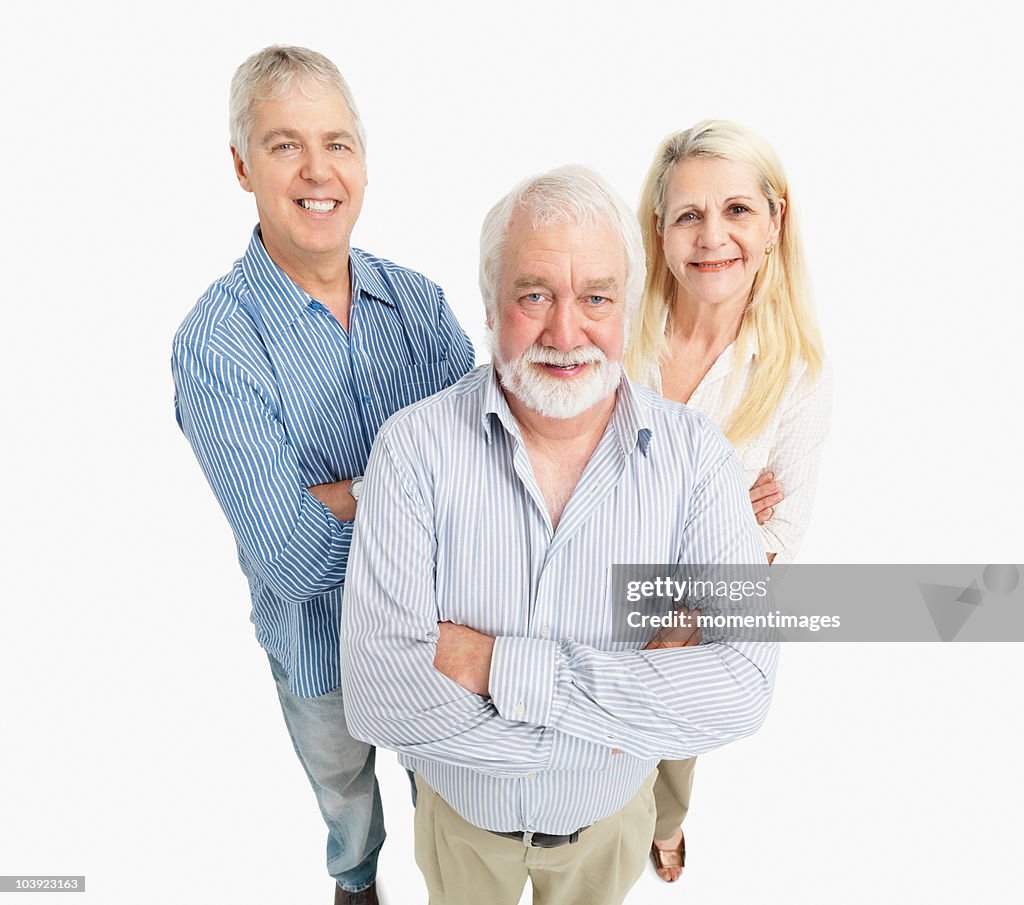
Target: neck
707,326
324,276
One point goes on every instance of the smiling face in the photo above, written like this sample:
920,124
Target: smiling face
308,173
716,227
560,312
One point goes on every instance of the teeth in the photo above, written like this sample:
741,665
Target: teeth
320,207
715,266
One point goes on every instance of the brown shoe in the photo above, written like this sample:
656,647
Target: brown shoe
667,859
366,896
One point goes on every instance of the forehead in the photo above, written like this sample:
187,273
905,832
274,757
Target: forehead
306,107
701,178
565,252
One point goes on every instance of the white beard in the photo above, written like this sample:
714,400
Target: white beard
553,397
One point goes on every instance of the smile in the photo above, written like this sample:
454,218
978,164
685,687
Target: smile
563,370
316,205
711,266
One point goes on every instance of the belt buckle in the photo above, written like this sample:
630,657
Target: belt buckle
528,839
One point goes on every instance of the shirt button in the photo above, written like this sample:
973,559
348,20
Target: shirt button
531,775
519,710
545,631
367,399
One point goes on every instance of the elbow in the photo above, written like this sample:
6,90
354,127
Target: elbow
363,729
291,579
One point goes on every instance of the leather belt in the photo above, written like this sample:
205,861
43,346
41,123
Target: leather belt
542,840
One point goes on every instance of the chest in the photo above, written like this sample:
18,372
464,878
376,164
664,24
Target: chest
500,568
336,388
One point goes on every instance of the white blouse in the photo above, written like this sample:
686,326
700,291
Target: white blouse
789,446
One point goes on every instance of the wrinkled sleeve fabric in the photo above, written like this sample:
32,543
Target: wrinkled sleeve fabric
294,542
794,459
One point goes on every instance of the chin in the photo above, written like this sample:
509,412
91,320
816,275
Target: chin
557,398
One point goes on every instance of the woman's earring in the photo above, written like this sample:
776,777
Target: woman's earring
769,249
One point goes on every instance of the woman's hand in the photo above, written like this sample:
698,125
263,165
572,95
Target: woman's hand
764,496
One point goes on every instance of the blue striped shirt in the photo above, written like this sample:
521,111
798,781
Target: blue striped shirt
453,526
276,396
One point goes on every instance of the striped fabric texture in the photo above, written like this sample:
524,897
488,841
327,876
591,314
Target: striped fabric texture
453,527
274,397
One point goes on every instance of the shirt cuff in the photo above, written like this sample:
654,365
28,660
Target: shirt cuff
569,752
522,680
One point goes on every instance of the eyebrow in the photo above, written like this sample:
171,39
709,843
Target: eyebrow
730,200
278,133
291,133
529,281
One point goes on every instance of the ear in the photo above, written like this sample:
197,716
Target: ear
776,226
241,171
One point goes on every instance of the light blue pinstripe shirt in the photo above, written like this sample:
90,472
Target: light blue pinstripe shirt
452,526
275,396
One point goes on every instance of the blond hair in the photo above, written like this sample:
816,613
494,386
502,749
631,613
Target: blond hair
779,313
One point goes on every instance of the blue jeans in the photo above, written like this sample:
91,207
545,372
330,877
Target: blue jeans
340,770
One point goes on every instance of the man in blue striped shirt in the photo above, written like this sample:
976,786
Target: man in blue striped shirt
284,371
480,636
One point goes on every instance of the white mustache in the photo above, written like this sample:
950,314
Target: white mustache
546,355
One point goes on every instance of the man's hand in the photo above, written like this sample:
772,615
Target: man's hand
464,655
337,498
765,495
685,635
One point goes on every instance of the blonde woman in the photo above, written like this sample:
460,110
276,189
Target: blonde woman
727,327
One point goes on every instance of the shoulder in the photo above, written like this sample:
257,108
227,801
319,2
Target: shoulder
806,385
447,409
692,433
219,313
400,282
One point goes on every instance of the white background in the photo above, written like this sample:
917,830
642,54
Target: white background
141,741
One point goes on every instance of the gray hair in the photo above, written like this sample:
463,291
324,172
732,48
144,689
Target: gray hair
271,73
569,194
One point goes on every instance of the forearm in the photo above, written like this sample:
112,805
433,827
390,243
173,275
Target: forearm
662,703
410,707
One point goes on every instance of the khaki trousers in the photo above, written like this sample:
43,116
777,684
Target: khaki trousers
462,863
672,795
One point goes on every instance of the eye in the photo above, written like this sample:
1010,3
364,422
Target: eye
687,217
597,300
739,209
337,146
533,298
284,146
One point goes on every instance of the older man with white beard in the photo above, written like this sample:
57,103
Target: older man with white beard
479,629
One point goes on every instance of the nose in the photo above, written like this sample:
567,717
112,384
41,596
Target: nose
314,166
563,327
713,233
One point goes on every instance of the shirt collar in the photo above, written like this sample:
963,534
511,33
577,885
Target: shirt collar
727,361
631,418
366,278
277,298
280,300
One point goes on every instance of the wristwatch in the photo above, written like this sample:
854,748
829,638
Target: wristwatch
356,487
